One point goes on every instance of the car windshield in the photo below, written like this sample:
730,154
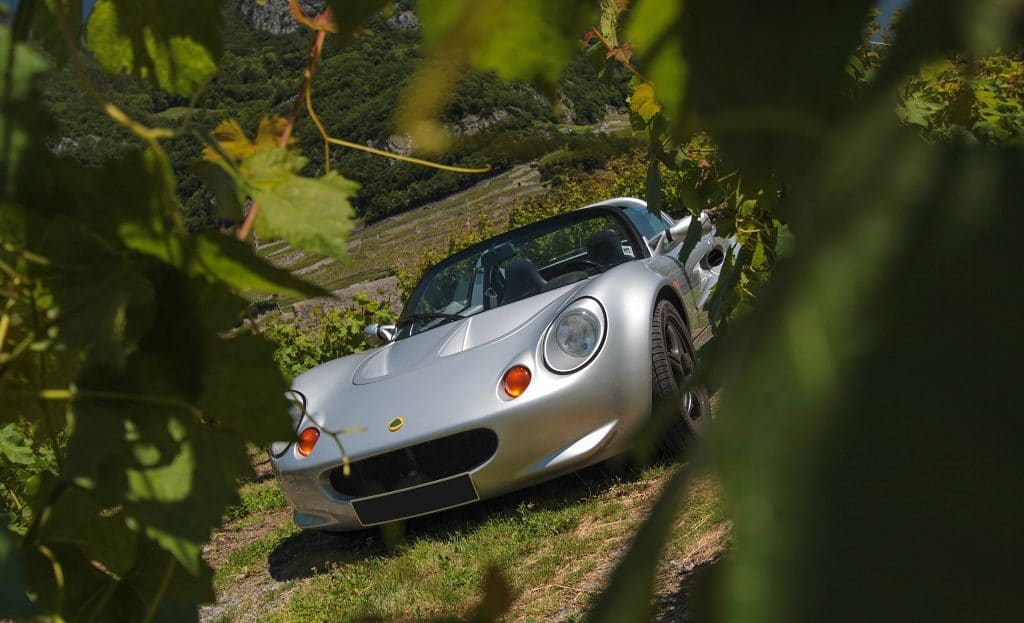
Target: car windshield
534,259
649,224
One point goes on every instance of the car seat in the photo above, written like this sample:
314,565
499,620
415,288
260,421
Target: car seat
605,248
522,279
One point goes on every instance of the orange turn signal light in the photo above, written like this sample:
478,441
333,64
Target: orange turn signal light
308,439
516,380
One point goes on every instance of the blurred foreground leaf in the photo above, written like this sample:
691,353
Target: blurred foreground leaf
627,598
871,445
174,46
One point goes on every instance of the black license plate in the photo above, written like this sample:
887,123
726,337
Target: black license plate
421,500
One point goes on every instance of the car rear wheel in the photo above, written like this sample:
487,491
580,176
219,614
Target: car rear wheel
685,414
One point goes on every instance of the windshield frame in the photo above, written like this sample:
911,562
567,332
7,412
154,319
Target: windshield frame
549,224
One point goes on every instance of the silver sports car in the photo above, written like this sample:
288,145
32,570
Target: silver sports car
529,355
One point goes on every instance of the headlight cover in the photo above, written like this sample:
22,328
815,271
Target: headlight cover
575,336
296,409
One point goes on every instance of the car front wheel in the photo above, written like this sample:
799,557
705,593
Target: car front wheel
685,414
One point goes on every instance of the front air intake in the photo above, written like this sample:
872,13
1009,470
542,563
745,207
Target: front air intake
416,465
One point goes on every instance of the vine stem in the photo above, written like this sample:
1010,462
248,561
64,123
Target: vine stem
322,24
58,574
75,394
5,323
165,581
608,46
39,519
51,427
282,142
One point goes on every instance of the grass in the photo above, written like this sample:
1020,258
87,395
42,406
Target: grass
554,545
256,498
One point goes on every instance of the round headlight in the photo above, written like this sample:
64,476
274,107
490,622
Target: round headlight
575,336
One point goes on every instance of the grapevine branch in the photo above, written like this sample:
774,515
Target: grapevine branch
611,52
165,582
322,24
58,574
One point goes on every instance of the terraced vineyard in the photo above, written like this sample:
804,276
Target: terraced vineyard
377,251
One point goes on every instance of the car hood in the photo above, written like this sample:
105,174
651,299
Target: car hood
424,349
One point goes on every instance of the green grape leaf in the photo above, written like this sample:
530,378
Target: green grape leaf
221,258
14,602
528,40
174,46
23,123
180,590
78,519
234,262
350,15
14,448
311,214
178,504
96,431
653,30
643,101
164,477
259,414
227,188
769,97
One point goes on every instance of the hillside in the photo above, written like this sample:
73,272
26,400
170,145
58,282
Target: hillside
356,93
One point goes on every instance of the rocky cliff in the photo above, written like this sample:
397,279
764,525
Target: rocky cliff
274,16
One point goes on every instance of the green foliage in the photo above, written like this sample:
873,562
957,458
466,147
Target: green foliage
22,469
175,50
852,323
357,90
337,333
127,407
257,498
976,100
113,350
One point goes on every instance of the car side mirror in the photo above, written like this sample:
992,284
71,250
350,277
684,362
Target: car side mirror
679,230
377,334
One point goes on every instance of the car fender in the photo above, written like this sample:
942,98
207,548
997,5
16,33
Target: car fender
328,382
629,294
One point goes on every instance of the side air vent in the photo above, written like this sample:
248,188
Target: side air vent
714,258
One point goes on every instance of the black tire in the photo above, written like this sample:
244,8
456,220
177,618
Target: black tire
683,415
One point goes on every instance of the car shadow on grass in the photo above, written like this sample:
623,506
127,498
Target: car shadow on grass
310,553
690,594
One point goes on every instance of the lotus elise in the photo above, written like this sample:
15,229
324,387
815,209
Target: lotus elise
524,357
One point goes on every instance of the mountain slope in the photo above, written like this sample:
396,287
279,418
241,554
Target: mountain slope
356,92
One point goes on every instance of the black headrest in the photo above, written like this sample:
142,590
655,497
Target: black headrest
522,279
605,248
